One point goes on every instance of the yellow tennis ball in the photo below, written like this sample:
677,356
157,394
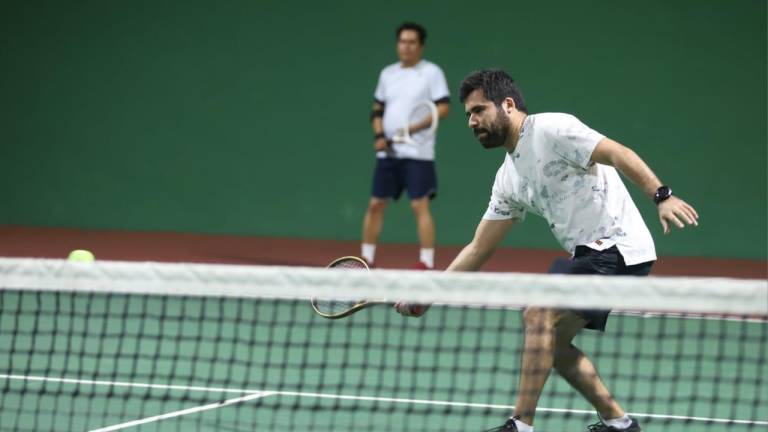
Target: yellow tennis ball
81,255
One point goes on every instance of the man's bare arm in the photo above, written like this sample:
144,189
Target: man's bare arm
672,210
610,152
377,123
488,236
442,110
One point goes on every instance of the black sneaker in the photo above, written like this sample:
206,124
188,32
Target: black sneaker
602,427
509,426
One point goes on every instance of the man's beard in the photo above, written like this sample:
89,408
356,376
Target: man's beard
497,133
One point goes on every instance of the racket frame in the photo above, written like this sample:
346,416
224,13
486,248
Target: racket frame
360,305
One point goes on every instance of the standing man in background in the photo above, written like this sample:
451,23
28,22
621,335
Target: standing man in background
401,165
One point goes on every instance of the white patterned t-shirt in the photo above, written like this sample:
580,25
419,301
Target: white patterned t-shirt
550,173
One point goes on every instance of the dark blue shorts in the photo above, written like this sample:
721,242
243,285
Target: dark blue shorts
607,262
392,176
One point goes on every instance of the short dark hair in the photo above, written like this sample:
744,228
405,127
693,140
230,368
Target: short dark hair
418,28
497,85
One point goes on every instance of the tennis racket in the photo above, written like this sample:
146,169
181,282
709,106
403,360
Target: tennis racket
421,125
335,309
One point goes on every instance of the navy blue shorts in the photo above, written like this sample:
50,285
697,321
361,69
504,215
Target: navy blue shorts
392,176
607,262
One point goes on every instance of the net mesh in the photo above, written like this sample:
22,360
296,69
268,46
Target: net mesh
110,346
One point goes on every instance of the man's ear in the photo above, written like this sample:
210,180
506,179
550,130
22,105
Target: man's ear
509,105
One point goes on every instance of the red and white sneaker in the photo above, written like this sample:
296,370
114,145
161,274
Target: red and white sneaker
421,266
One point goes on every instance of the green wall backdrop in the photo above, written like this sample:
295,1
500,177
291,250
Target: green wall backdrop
250,117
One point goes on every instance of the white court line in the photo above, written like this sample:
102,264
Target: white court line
182,412
125,384
264,393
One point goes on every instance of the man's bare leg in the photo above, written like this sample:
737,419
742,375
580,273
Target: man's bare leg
425,226
538,358
372,225
576,368
548,337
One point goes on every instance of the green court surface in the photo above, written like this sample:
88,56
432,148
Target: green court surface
453,370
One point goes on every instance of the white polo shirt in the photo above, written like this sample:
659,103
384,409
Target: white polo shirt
399,89
550,174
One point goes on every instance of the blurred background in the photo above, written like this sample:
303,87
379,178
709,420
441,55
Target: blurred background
249,119
238,132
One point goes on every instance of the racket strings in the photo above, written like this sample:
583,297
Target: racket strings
419,115
331,307
349,264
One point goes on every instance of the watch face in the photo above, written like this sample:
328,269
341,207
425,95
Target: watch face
662,193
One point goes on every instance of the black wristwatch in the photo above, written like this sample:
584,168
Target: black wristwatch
662,194
379,135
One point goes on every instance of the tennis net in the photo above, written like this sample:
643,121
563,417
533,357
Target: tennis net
163,347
